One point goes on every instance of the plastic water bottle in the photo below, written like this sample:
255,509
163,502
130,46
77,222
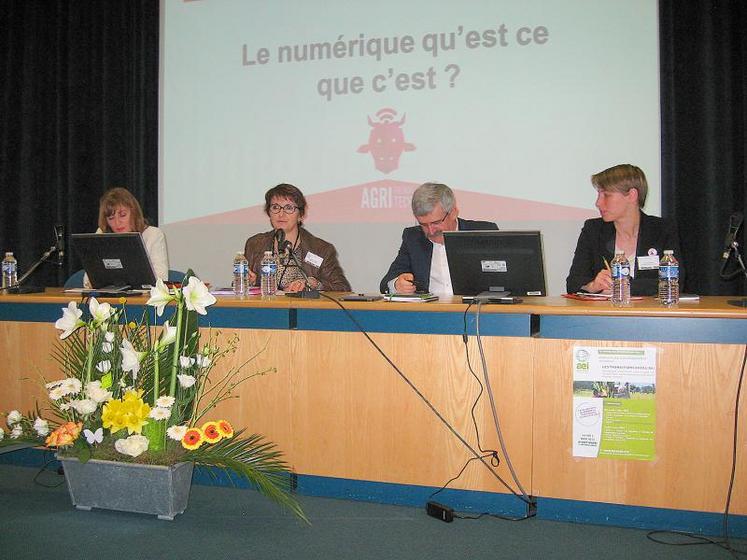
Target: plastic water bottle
269,274
10,270
240,274
669,279
620,271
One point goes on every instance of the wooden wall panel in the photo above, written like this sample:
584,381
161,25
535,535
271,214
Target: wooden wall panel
336,408
695,403
25,348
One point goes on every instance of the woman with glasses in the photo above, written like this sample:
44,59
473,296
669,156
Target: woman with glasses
286,207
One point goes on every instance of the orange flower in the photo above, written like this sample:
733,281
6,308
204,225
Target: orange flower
64,435
193,439
225,428
211,432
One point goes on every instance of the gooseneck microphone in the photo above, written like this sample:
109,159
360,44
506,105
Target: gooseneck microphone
59,232
735,222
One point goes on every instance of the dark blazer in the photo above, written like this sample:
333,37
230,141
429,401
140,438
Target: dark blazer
330,273
416,251
597,242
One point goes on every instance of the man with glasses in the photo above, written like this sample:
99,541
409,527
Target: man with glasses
421,262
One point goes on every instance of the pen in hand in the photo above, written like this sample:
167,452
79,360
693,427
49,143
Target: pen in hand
606,264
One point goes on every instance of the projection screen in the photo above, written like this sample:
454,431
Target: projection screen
513,104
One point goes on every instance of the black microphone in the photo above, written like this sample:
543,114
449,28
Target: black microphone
59,231
280,238
735,222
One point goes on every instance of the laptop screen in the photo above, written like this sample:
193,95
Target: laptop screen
497,261
115,259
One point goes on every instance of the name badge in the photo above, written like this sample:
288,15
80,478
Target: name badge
648,263
317,261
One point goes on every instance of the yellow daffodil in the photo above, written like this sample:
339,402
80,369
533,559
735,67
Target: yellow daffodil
130,412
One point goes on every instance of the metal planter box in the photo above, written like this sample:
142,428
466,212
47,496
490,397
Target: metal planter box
153,489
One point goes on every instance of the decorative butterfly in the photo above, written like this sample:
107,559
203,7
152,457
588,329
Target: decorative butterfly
94,437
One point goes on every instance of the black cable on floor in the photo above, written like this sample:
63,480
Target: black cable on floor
700,539
492,453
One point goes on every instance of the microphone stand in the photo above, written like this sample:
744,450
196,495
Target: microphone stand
742,269
308,292
17,288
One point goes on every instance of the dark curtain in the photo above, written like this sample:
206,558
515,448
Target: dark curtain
703,86
78,114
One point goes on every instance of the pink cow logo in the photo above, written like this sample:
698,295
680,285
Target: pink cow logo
386,142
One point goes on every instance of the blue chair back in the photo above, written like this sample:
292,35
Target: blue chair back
75,280
176,275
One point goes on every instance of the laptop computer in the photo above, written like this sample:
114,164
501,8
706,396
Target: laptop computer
493,264
115,261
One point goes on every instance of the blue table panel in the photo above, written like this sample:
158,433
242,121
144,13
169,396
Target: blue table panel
425,322
646,329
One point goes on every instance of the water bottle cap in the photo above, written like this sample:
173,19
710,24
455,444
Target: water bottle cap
268,253
668,252
9,254
619,252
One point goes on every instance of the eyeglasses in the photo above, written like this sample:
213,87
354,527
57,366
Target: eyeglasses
288,208
437,223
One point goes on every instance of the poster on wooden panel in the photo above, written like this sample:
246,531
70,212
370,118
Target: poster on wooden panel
614,402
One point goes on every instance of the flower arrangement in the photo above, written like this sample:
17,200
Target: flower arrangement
134,392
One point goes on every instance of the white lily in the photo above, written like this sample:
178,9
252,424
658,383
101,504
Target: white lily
196,296
101,312
131,358
14,417
70,320
159,297
168,336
